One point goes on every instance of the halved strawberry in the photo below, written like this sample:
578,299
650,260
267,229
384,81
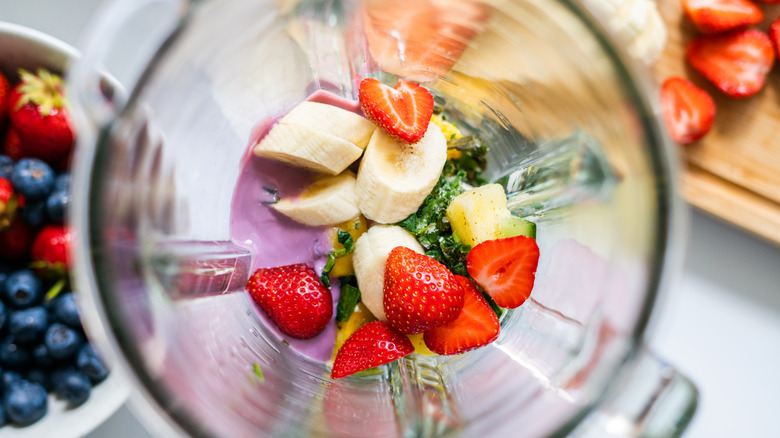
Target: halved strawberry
688,111
476,325
774,34
294,298
419,292
39,115
373,344
715,16
404,112
737,62
505,268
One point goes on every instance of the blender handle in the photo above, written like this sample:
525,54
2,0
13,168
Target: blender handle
115,50
651,399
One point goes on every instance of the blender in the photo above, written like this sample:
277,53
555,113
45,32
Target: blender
574,139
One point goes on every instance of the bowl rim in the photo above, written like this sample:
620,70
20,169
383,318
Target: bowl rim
43,50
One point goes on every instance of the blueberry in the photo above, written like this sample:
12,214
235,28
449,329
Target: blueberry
3,314
41,356
88,362
62,341
33,178
73,386
65,309
62,182
34,213
22,288
6,166
25,403
9,378
28,325
56,204
40,376
13,355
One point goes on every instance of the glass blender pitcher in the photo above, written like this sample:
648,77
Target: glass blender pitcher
170,95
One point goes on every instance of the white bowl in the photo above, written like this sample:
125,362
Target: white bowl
21,47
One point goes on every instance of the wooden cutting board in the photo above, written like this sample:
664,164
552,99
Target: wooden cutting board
734,172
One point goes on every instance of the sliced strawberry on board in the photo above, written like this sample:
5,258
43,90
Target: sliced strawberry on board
404,112
505,268
476,325
373,344
419,292
39,115
688,111
774,34
294,298
716,16
736,62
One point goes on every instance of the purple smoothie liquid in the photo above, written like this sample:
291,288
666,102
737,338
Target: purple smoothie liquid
274,239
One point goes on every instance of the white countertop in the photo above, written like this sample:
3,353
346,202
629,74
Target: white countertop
719,324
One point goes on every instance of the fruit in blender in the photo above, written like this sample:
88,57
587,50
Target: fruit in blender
394,178
505,268
403,112
481,214
370,259
476,325
330,200
294,298
419,292
373,344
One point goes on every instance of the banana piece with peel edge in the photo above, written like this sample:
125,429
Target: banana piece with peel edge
329,201
318,137
370,257
394,178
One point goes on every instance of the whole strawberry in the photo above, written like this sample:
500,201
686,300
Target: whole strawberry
51,248
419,292
10,201
294,298
373,344
15,240
12,145
5,90
38,113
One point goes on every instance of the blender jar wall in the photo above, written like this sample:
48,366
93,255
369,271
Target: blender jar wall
567,124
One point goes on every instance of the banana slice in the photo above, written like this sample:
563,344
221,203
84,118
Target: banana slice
394,179
329,201
370,257
331,120
309,149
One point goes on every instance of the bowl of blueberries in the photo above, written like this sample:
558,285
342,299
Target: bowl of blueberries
53,380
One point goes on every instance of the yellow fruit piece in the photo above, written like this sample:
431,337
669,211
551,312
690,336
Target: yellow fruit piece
344,330
356,227
419,345
449,130
475,215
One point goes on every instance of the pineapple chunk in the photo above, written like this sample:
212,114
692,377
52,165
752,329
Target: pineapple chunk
476,215
419,345
343,265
